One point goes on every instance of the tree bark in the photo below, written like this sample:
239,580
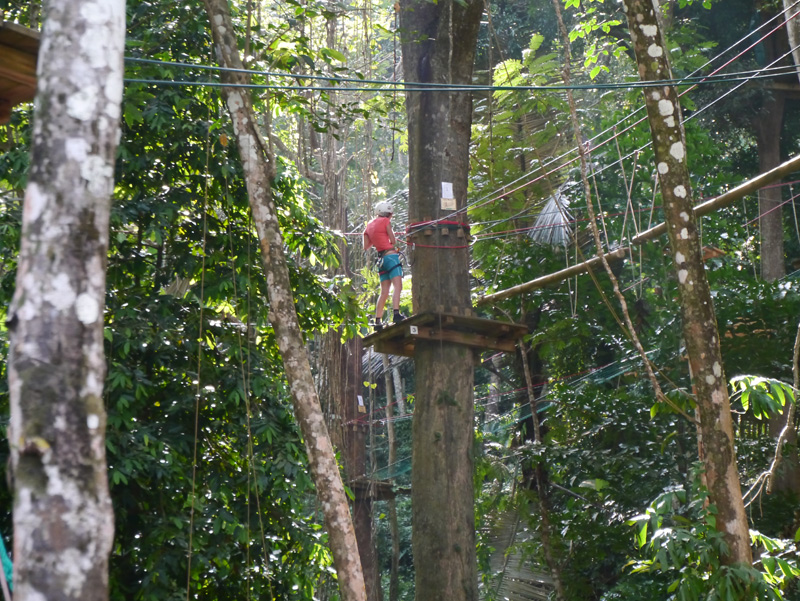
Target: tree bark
546,528
793,30
63,519
699,321
258,165
394,572
768,127
438,46
399,395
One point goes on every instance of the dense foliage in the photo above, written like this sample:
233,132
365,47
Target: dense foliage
205,460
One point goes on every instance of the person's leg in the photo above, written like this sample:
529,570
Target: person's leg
382,299
397,288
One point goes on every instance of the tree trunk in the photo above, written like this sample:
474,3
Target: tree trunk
63,519
399,394
394,574
257,163
768,127
439,47
699,322
793,30
546,527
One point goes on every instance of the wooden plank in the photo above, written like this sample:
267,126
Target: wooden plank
475,332
20,37
376,490
17,62
394,348
19,47
482,325
467,339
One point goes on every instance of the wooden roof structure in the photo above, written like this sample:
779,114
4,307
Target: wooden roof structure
19,48
475,332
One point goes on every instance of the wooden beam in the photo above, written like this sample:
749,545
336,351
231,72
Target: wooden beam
467,339
550,278
17,63
390,347
728,197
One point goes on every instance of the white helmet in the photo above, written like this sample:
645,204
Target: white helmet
384,207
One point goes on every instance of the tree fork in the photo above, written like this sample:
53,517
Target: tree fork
258,165
699,321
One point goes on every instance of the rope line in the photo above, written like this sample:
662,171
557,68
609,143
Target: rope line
413,86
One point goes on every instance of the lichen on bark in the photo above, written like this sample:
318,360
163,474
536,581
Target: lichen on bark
63,521
697,311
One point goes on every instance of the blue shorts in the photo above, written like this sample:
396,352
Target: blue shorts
390,267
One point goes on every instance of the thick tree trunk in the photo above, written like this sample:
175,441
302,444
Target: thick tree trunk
793,30
438,47
699,322
258,168
63,520
768,127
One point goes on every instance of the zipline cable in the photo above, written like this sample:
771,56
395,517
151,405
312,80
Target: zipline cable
377,85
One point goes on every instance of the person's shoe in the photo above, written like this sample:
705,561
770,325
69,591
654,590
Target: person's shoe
398,317
377,324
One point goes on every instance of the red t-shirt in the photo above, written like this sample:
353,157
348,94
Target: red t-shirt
378,234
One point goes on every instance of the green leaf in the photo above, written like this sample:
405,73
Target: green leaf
334,54
671,588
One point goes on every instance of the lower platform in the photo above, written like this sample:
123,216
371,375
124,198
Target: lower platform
375,490
475,332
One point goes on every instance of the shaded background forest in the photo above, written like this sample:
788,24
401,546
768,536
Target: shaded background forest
193,369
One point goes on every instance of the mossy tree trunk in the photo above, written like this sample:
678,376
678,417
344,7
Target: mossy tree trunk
439,40
63,520
699,321
258,165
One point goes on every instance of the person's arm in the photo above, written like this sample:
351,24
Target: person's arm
392,238
367,241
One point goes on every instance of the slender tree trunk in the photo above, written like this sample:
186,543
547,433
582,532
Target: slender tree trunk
63,520
394,574
768,127
546,528
493,406
258,166
699,322
399,394
439,42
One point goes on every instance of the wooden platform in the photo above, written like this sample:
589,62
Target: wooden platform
19,47
375,490
474,332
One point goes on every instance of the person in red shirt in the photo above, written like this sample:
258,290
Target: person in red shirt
379,234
